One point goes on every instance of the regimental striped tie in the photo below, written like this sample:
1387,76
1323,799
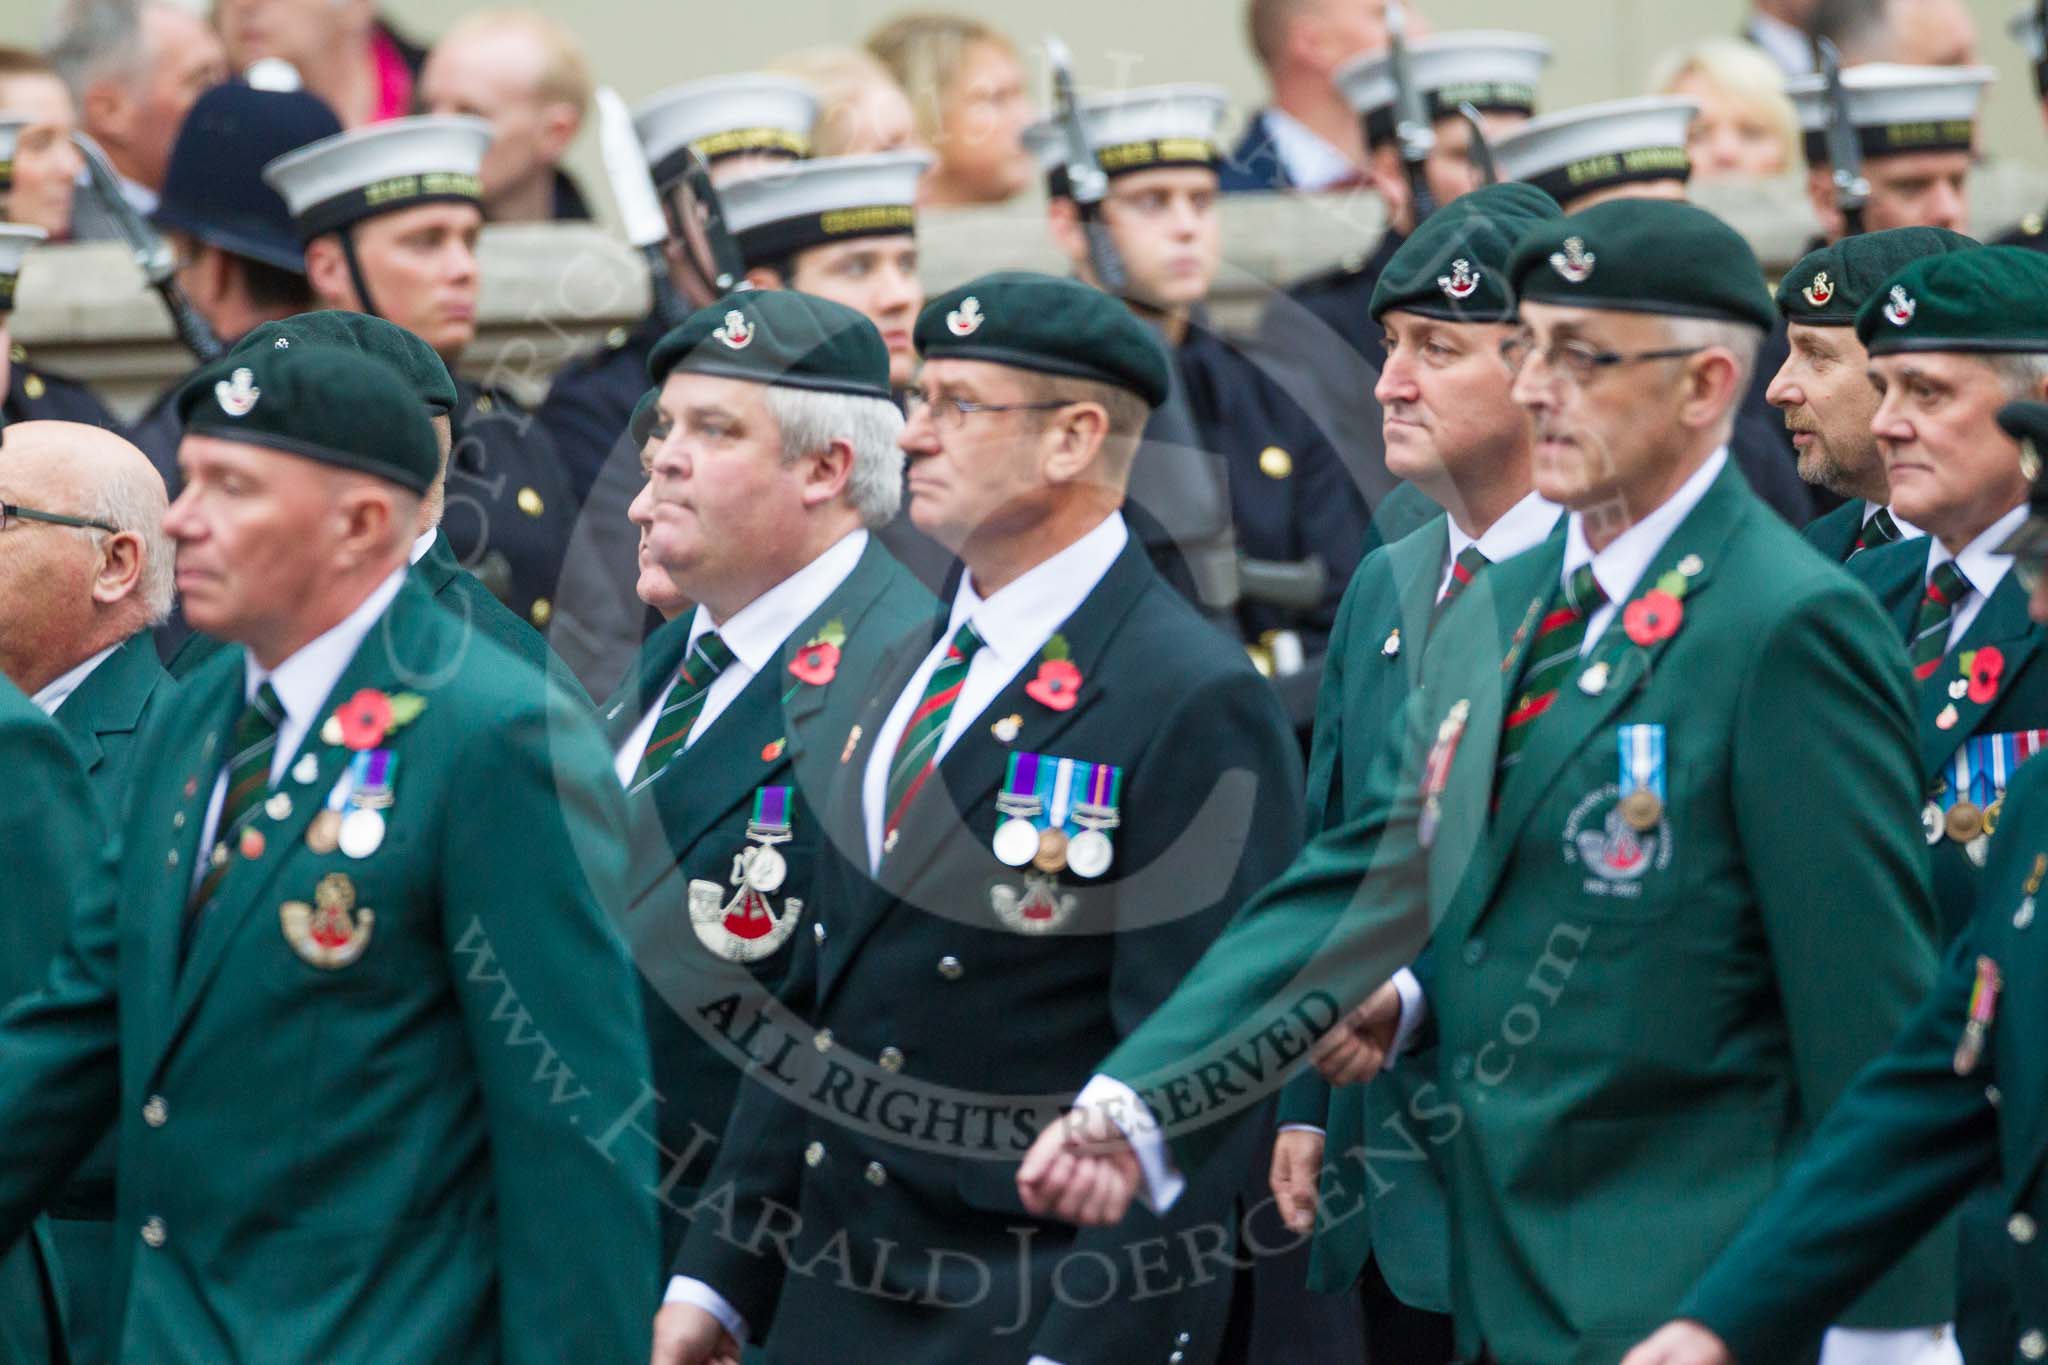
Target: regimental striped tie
1553,654
251,744
1468,563
1946,589
1880,529
707,658
917,751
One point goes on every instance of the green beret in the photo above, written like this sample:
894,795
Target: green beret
1053,326
1829,284
1994,298
322,402
1455,266
1643,256
404,352
778,336
2027,423
641,425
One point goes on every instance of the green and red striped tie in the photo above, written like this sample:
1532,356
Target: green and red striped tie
1946,589
1881,529
1463,569
917,751
1553,654
251,744
700,668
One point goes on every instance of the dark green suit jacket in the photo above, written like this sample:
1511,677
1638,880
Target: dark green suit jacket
53,830
1590,1178
1914,1135
1897,573
386,1159
953,1036
1376,653
691,824
1834,534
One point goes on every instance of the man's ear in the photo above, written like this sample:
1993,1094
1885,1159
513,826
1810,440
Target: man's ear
120,571
327,273
1063,223
1074,441
761,277
558,126
828,473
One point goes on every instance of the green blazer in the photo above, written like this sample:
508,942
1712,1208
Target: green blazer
691,824
52,828
1591,1179
1834,534
388,1157
1914,1135
1897,573
1370,671
957,1036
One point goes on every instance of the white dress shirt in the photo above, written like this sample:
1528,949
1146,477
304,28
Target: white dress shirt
1622,564
422,543
1309,159
58,691
754,635
1980,565
1014,625
303,684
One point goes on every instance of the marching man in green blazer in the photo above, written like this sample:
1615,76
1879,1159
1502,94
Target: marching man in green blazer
351,997
776,462
1058,794
1956,1102
1453,431
1613,810
1822,387
85,572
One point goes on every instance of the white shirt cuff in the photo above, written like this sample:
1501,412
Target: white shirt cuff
1163,1182
1934,1345
696,1293
1414,1013
1302,1128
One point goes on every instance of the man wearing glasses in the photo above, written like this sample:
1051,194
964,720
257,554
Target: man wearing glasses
1646,856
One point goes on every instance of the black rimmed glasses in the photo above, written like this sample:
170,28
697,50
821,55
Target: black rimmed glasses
950,414
1579,360
12,516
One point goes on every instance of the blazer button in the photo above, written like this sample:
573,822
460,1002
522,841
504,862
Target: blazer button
1181,1339
1475,952
892,1059
2034,1345
814,1154
818,930
876,1176
153,1231
2020,1228
950,968
822,1040
2023,916
155,1112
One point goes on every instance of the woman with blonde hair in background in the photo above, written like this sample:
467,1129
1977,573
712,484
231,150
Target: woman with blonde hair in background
1746,126
966,88
861,109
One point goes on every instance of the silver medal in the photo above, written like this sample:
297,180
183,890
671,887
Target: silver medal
766,869
1932,823
1016,842
1089,853
362,832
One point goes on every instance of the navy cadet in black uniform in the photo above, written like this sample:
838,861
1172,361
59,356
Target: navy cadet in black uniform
28,394
1916,127
390,217
1290,496
845,228
732,123
1635,148
242,261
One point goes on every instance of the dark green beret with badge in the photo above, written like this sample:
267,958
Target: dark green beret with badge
1455,266
1994,298
1643,256
2027,423
1830,283
325,403
1054,326
778,336
641,425
415,361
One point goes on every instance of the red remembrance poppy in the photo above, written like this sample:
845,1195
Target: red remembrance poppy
1058,685
365,719
1653,617
817,663
1985,671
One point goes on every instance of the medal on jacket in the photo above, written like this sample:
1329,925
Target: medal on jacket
1019,805
1436,770
1970,796
1983,1008
747,927
1090,852
1642,775
370,777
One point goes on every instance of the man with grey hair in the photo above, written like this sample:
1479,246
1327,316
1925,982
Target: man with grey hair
85,571
134,67
772,459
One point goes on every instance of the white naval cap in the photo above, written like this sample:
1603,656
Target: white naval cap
1896,109
1494,71
15,240
351,176
754,114
1137,130
10,135
832,199
1598,146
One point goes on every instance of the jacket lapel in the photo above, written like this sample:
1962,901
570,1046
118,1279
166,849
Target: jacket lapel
653,667
1417,571
111,700
438,566
2003,623
721,769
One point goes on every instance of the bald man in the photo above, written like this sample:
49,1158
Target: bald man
528,76
85,571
